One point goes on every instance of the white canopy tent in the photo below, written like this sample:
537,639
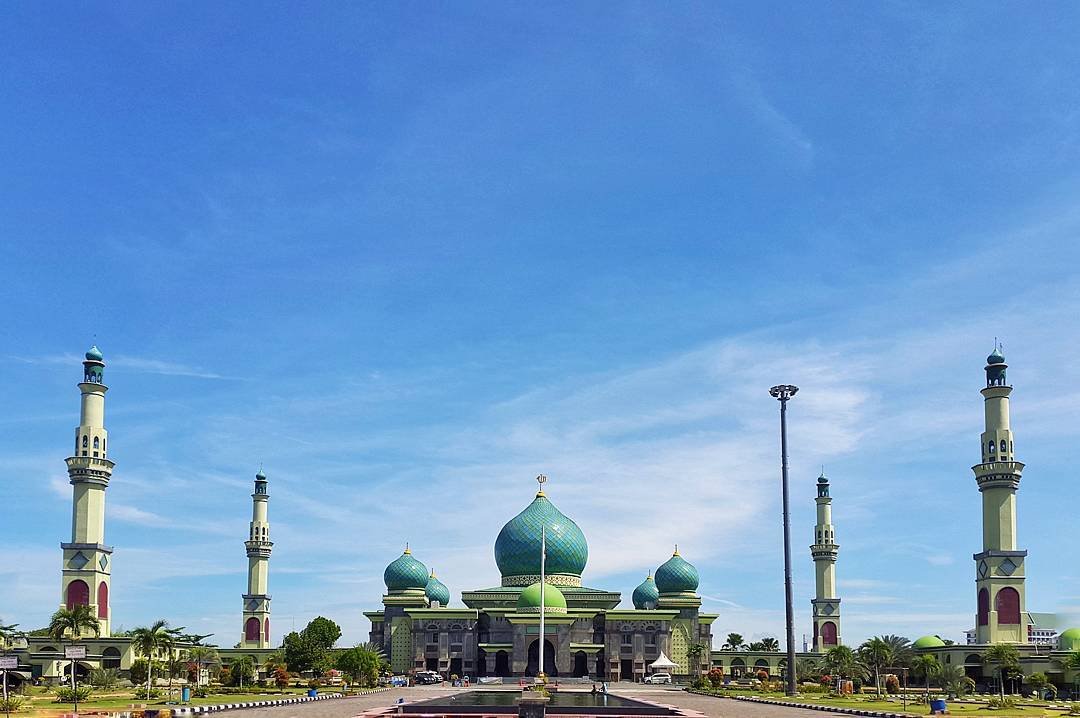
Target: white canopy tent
663,663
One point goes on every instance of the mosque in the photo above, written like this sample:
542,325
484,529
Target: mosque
586,633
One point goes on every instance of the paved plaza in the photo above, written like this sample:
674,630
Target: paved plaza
349,707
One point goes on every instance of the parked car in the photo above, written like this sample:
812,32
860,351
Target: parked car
657,678
427,678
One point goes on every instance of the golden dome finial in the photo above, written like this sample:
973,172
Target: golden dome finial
676,550
541,479
407,551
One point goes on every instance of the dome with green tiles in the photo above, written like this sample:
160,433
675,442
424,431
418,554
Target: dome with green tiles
646,594
928,642
676,575
517,548
405,573
94,354
529,599
996,357
1069,640
437,591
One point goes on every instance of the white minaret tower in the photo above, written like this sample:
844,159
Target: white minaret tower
256,633
1001,616
87,560
826,604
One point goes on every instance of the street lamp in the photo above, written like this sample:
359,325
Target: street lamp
782,393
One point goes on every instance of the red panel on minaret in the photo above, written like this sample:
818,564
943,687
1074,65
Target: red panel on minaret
1008,606
102,600
828,633
984,607
251,629
78,594
266,626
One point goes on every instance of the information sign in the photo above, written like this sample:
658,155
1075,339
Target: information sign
9,663
74,651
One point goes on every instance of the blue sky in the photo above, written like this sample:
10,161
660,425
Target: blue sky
408,256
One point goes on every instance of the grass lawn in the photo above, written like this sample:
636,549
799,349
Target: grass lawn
43,705
915,707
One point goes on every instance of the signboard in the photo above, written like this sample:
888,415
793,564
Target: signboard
74,651
9,662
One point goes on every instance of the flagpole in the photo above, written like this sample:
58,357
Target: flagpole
543,637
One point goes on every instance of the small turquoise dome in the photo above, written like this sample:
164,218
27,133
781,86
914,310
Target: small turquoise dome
405,572
676,575
529,599
1069,640
260,476
646,594
437,591
517,549
996,357
928,642
94,354
823,479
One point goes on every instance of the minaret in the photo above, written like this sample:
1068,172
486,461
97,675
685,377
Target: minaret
826,605
87,560
1001,615
256,633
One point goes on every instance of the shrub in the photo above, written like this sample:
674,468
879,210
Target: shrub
700,684
892,684
826,680
104,677
997,703
1074,709
140,694
716,677
67,695
11,704
813,688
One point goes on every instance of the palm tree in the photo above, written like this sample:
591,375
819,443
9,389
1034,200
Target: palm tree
902,652
152,641
843,662
805,667
770,644
734,642
74,622
927,666
8,633
1006,658
694,652
1072,662
242,666
756,646
201,657
954,679
876,654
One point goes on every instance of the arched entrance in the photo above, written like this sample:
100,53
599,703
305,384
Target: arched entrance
601,671
82,671
502,664
481,663
110,658
738,667
549,659
581,664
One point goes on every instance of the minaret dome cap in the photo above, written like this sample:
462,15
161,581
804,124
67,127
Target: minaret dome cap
260,476
823,479
94,354
996,357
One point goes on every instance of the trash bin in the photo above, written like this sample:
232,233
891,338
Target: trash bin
937,706
185,694
312,692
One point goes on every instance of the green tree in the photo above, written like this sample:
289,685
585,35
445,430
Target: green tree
902,651
8,633
104,678
806,669
1006,658
770,644
734,642
322,632
309,649
362,663
1072,662
876,654
242,667
1038,681
926,666
843,662
73,622
756,646
200,657
152,642
694,652
954,680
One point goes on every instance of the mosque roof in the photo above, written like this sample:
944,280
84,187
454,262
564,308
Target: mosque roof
529,600
405,572
928,642
646,593
436,590
94,354
676,575
517,548
1069,640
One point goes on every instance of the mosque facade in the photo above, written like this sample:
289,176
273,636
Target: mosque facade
586,634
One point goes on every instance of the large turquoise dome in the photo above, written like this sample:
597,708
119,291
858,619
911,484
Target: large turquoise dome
405,572
676,575
517,549
646,595
437,591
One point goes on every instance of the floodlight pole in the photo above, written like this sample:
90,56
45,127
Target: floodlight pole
782,393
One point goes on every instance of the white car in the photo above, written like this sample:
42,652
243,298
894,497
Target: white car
657,678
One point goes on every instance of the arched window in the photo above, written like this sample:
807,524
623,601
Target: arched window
97,443
1007,603
102,600
828,633
251,629
1003,449
84,441
992,446
110,658
984,607
266,629
78,594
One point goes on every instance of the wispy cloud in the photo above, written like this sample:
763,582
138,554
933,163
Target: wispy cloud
140,365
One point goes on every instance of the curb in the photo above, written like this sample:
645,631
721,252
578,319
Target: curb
200,710
812,706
